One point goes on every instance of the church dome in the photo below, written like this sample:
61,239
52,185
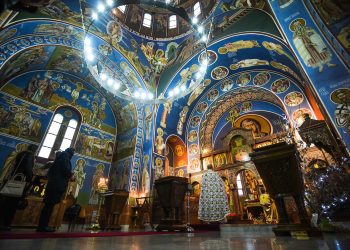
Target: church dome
151,21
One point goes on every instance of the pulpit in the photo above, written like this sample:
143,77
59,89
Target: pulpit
114,204
280,171
171,192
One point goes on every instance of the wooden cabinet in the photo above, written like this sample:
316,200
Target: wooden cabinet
29,217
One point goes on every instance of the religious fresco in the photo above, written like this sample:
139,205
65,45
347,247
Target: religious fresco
126,143
36,57
207,161
236,4
303,36
321,62
20,119
210,56
336,15
219,72
220,160
88,173
280,86
239,149
9,148
51,89
120,174
298,115
181,172
259,126
293,98
95,143
159,167
261,79
341,98
226,85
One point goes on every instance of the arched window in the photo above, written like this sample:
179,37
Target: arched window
147,20
239,185
197,9
172,22
122,8
61,133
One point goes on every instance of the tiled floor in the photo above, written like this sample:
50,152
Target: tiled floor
183,241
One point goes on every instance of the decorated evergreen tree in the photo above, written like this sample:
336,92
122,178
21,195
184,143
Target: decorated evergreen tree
327,190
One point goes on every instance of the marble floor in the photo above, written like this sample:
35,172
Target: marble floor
181,241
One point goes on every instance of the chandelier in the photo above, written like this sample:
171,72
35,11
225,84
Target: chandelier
110,68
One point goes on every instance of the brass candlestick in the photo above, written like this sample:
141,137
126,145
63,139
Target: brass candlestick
102,187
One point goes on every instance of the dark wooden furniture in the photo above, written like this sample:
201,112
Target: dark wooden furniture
171,192
114,204
280,171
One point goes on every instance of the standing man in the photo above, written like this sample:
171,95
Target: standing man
23,164
58,176
213,204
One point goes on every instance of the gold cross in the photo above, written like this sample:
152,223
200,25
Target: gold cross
232,118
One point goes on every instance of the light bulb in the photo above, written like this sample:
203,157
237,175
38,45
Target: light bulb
171,93
94,15
110,3
195,20
150,96
137,94
143,95
176,90
110,82
205,62
103,77
198,75
204,38
116,85
101,7
90,57
200,29
183,88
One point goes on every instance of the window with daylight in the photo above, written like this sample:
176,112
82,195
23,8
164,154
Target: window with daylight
147,20
61,133
122,8
239,185
172,22
197,9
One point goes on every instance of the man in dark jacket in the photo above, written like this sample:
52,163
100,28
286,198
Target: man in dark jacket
24,164
58,176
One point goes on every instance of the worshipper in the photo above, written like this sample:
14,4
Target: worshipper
23,164
58,176
213,204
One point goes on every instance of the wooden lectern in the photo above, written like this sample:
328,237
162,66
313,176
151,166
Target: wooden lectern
280,171
171,192
114,205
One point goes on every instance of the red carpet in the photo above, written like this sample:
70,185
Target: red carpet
35,235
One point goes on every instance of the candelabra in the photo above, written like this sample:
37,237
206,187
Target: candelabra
102,187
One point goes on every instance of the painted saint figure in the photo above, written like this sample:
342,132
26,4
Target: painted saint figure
94,184
79,175
182,119
165,114
310,46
